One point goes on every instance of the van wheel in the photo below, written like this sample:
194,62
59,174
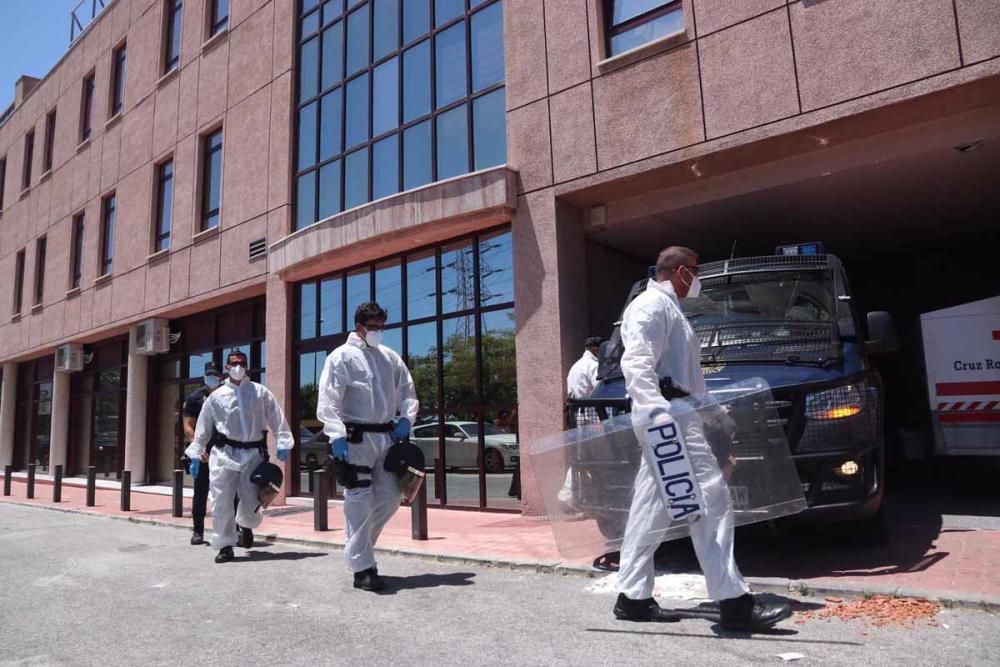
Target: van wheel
494,461
875,531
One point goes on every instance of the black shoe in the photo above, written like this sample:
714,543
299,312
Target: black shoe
627,609
197,538
198,531
245,539
368,580
225,555
750,614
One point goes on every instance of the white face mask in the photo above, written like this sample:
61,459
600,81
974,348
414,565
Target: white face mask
211,381
373,338
237,372
694,287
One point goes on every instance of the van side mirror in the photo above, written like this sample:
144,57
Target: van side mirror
881,333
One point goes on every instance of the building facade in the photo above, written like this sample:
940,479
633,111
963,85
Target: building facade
495,172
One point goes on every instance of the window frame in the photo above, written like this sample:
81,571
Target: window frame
205,214
41,246
76,250
119,61
162,179
29,154
87,107
611,30
18,301
109,211
214,22
50,140
467,99
173,20
3,181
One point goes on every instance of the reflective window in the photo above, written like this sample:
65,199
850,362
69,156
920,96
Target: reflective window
307,310
632,23
421,285
359,291
331,306
372,70
389,289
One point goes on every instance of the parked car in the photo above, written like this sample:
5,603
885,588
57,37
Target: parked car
461,441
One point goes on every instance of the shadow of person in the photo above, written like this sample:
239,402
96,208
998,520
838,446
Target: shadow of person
395,584
278,555
709,611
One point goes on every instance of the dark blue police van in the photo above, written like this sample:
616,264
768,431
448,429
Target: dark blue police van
788,318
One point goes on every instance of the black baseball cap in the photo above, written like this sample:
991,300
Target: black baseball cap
593,341
212,369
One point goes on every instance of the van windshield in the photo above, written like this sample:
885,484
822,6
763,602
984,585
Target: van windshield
776,296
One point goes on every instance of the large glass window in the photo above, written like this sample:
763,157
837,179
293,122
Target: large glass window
108,213
164,206
632,23
172,34
211,180
77,251
451,316
397,93
118,81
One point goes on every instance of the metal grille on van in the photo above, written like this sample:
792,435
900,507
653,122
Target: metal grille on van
258,248
755,264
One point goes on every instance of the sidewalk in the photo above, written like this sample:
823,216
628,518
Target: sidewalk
933,556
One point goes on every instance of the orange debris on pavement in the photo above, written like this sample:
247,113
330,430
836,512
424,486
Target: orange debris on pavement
878,611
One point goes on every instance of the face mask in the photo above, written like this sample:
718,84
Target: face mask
694,287
373,338
237,372
211,381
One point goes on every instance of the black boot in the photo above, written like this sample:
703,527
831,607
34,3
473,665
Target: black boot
245,539
225,555
198,534
627,609
750,614
368,580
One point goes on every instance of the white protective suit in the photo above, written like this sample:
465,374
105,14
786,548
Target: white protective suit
241,412
660,342
366,385
580,383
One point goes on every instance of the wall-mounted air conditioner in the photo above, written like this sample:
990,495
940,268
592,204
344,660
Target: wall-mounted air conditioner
69,358
151,336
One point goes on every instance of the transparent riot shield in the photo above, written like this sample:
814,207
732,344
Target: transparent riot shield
725,453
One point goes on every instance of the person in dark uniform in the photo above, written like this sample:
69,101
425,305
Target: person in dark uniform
192,408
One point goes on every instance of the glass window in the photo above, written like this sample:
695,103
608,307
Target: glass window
307,311
496,272
118,82
417,81
307,135
633,23
330,126
174,10
87,107
458,285
449,53
416,19
421,285
211,180
357,111
386,27
393,338
389,290
359,291
329,190
385,167
29,154
385,97
417,155
308,69
358,33
164,206
333,54
487,47
77,249
108,235
332,9
422,362
356,179
452,143
305,200
489,130
219,17
310,24
331,306
446,10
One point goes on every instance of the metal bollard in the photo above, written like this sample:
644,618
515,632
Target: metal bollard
515,482
331,480
126,503
321,515
91,485
418,514
57,485
31,480
438,478
178,509
8,473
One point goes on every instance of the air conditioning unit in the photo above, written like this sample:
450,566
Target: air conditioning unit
69,358
151,336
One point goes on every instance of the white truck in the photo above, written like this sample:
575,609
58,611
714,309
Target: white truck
962,356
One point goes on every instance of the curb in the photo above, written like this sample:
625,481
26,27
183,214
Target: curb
775,585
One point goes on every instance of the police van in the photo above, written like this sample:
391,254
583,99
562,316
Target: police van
789,319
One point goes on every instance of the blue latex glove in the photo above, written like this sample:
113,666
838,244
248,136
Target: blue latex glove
339,449
195,467
402,428
283,454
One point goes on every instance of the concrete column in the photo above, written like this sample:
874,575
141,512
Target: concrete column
135,413
60,420
8,412
279,380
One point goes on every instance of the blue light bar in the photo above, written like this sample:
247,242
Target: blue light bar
815,248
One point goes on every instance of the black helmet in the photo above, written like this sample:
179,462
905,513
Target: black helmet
406,460
268,478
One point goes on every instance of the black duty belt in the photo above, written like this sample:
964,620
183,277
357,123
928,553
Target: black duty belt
236,444
356,432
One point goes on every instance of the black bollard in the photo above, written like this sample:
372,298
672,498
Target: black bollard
418,514
8,473
178,493
126,504
91,485
321,515
438,479
515,482
57,485
31,480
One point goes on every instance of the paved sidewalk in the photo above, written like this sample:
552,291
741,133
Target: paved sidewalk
949,558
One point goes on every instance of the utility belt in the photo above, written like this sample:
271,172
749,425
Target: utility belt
351,476
236,444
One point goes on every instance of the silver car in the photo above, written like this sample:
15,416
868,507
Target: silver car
461,441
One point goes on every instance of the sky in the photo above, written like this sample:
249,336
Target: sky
34,35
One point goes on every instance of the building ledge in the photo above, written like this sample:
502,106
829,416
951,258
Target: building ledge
37,308
215,40
205,234
46,175
643,51
114,120
83,145
72,292
105,278
24,192
158,256
168,77
396,224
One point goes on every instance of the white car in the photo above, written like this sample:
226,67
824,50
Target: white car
461,441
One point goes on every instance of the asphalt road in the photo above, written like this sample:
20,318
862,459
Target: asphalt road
86,590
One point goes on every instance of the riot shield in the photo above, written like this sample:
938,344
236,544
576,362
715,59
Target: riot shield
726,452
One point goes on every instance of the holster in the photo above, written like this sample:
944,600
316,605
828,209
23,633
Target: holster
347,474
